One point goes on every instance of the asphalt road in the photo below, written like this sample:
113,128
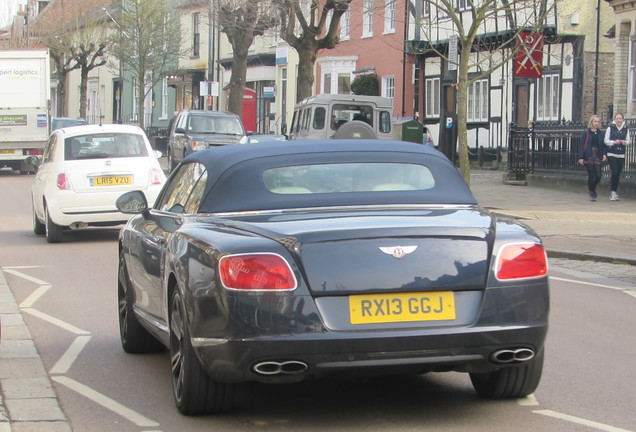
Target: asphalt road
67,296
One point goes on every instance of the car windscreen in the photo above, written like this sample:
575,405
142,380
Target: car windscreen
62,123
215,125
104,145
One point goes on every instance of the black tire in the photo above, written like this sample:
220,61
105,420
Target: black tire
509,382
135,339
194,391
171,163
38,227
53,232
355,129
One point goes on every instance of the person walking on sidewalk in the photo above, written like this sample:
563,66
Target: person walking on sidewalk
616,138
592,153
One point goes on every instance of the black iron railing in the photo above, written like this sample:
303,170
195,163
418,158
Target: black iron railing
553,148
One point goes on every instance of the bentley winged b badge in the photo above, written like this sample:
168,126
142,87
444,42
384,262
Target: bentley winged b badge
398,251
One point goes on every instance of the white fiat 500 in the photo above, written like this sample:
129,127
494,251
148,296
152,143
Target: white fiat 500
84,169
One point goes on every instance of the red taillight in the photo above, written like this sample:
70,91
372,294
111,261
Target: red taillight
32,152
256,272
155,177
521,260
63,182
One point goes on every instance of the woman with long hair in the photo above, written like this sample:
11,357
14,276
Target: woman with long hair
616,139
592,153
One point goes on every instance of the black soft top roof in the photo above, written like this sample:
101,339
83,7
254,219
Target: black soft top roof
235,174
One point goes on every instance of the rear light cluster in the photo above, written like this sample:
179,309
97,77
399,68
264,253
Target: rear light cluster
521,261
63,182
260,272
155,177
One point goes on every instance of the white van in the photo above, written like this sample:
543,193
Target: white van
339,116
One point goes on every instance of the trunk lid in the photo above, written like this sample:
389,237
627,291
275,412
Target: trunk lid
389,251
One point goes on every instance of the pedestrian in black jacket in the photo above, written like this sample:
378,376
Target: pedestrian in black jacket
616,139
592,153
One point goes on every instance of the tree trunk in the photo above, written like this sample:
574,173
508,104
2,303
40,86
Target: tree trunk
307,53
141,96
83,92
237,79
462,109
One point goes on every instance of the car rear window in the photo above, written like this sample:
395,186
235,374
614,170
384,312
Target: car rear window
347,177
104,145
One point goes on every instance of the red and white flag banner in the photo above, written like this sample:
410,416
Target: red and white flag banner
529,56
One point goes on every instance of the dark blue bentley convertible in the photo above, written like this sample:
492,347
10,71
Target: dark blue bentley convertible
286,261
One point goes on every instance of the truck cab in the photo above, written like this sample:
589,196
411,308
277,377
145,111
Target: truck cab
340,116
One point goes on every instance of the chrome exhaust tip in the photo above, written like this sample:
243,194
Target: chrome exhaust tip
512,355
289,367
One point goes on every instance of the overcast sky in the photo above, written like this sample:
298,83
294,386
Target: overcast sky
8,8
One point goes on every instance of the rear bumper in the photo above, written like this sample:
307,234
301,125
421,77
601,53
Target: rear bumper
281,330
469,350
67,207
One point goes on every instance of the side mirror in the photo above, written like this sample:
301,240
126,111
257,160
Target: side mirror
133,202
179,130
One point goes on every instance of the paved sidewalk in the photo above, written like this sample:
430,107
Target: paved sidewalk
569,224
595,235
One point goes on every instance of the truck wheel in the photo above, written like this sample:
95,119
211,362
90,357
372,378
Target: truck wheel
355,129
26,168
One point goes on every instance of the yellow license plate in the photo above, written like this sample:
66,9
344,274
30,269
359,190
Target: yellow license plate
111,180
7,151
403,307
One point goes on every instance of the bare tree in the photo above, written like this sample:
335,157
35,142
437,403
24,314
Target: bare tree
241,21
304,27
482,46
76,41
147,43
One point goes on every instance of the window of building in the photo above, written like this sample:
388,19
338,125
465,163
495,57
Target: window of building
432,97
426,8
344,83
164,99
367,18
344,26
416,86
326,83
196,34
336,75
389,16
548,97
477,110
463,5
388,87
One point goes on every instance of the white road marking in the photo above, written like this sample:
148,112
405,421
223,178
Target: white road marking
631,293
580,421
35,296
106,402
65,362
529,400
55,321
590,283
24,276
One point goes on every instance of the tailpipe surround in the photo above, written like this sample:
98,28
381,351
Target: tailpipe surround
288,367
512,355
